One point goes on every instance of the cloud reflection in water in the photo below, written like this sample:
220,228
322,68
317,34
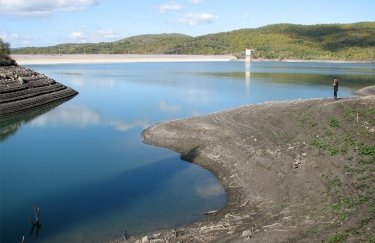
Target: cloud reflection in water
209,190
82,116
169,108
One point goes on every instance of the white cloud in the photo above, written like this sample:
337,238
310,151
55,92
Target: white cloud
93,36
169,7
77,35
6,36
14,38
123,126
106,34
42,7
195,1
169,108
81,116
72,115
197,18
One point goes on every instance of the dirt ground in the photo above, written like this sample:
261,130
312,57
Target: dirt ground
296,171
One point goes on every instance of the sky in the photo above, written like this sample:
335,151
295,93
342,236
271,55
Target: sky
50,22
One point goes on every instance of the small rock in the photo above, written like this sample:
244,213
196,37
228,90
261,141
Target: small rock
247,233
372,130
304,154
156,241
157,235
20,80
145,239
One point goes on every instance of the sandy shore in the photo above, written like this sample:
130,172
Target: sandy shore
115,58
290,169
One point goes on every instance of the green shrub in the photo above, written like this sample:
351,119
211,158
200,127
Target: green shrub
334,123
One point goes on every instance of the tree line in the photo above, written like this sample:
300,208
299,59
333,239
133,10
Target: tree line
280,41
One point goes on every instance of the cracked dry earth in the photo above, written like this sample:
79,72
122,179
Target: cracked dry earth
292,171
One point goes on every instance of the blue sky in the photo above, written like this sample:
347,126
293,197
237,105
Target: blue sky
50,22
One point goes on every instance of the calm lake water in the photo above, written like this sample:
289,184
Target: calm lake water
83,162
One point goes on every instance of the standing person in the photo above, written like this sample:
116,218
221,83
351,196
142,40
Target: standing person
335,85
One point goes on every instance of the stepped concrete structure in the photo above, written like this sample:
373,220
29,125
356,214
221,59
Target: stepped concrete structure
23,90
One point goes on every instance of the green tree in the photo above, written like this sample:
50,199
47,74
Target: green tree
4,47
5,59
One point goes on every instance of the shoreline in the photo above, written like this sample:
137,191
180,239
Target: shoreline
275,170
311,61
115,58
45,59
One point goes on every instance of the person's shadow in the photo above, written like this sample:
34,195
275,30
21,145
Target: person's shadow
35,223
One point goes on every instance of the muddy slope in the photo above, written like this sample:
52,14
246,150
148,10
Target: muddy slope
297,171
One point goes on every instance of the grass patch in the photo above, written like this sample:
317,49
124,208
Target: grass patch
321,144
350,115
371,111
367,149
350,193
337,238
334,123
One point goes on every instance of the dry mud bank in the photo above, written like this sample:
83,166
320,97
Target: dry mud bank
296,171
23,90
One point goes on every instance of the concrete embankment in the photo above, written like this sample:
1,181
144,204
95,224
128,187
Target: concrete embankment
23,90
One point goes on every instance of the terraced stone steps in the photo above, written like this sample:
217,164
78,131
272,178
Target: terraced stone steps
23,89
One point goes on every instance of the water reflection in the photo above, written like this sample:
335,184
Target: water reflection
169,108
248,77
83,116
75,154
80,80
209,191
9,125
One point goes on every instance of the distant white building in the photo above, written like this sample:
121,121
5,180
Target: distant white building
248,54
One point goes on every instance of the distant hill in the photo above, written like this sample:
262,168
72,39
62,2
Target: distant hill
280,41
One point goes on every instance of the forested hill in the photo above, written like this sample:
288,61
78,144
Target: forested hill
281,41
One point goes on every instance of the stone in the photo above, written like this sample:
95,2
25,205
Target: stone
156,241
20,80
247,233
145,239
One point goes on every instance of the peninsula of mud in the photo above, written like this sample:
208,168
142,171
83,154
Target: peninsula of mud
296,171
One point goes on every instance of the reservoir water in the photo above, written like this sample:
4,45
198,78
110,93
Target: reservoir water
83,162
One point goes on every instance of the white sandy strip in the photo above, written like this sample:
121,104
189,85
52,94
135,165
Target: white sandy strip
115,58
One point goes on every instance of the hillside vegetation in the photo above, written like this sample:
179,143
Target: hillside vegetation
5,59
281,41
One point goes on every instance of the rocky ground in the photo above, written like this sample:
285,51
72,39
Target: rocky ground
23,90
297,171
